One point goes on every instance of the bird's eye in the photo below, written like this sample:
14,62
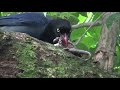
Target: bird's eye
58,30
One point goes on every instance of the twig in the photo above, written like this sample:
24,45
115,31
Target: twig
86,24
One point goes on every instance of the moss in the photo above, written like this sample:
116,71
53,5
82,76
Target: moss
27,59
52,64
46,61
65,67
112,18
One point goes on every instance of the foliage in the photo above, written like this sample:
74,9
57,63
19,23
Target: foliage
91,38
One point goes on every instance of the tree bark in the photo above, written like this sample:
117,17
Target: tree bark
105,51
22,56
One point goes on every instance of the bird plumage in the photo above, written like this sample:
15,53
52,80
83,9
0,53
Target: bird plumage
35,24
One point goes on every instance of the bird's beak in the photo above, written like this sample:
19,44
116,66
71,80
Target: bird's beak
64,38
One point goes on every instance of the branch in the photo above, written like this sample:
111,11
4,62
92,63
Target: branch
23,57
88,29
86,24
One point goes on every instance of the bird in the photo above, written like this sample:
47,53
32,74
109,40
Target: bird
37,25
42,27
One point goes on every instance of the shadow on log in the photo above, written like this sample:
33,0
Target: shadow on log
22,56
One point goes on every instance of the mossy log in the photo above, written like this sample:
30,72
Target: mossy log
22,56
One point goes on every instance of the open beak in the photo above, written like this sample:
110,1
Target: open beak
64,38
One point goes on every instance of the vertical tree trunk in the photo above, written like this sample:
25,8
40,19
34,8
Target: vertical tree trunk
104,54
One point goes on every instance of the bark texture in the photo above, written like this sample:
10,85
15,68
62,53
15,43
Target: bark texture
105,51
22,56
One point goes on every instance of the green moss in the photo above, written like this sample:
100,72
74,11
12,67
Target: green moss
63,68
113,18
27,59
51,62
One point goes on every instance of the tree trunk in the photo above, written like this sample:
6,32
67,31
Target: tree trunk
105,51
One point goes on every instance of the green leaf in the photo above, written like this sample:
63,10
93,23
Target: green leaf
81,18
90,39
83,14
76,34
96,15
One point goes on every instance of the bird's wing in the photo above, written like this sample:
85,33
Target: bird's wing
24,19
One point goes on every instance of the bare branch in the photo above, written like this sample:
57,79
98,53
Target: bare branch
87,24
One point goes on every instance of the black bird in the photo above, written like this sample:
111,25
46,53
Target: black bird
37,25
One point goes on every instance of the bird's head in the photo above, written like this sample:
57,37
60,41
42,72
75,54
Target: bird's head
59,28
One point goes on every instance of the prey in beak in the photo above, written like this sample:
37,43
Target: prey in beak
62,40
